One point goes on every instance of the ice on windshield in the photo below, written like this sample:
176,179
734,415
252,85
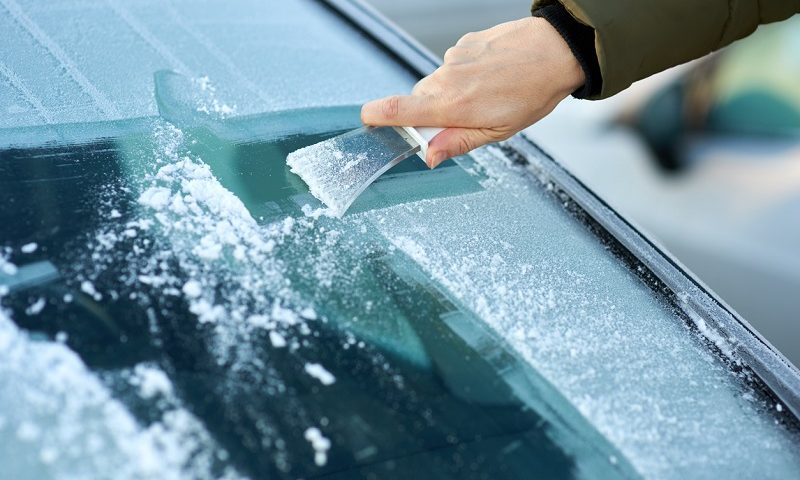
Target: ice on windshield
272,305
284,55
229,337
174,303
57,417
593,328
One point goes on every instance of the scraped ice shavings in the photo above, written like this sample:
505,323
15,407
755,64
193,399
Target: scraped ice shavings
37,307
6,266
319,443
151,381
228,271
207,101
88,431
227,289
277,340
326,176
339,169
320,373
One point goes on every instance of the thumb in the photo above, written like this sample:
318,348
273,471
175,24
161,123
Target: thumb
401,111
453,142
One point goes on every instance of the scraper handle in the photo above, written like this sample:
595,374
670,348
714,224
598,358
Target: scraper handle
423,136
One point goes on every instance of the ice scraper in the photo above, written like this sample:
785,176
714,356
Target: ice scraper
337,170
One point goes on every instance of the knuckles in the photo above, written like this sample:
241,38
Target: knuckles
464,145
467,38
390,107
450,54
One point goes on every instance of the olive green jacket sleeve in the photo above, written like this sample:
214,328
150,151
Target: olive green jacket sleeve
637,38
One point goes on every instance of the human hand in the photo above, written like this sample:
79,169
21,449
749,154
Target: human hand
492,84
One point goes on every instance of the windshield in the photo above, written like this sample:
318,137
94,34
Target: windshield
88,61
175,304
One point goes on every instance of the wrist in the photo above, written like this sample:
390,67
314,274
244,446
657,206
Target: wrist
580,39
567,71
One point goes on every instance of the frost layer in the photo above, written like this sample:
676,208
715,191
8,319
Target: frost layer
281,55
516,258
57,420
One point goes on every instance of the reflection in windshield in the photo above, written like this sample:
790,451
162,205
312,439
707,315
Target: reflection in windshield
252,335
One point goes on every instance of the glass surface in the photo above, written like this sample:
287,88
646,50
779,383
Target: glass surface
223,343
174,304
92,60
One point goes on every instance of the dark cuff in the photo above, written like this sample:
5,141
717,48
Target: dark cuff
580,39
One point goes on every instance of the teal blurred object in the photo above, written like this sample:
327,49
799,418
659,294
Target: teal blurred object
755,111
755,88
749,89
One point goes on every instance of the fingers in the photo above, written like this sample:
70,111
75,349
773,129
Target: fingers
453,142
402,110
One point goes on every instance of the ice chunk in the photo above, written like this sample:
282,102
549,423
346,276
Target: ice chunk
29,247
155,197
151,381
319,443
308,313
260,321
6,266
37,307
277,340
192,289
320,373
207,312
87,287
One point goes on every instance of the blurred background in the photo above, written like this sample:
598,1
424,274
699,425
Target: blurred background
705,158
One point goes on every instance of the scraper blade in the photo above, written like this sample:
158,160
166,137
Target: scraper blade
339,169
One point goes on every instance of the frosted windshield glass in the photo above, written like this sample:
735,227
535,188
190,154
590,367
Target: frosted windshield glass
518,259
187,294
90,61
175,304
